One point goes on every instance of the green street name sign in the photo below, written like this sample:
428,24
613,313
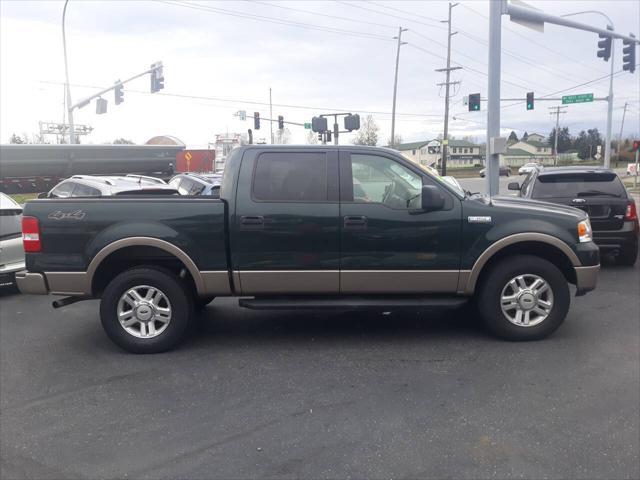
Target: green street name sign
581,98
307,126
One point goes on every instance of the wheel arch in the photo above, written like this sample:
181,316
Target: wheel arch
539,244
114,252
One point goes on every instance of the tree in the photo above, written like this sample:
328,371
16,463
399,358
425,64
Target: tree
524,137
398,140
283,136
17,139
311,138
513,137
581,144
565,142
123,141
368,133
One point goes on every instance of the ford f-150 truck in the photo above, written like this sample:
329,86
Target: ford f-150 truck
309,227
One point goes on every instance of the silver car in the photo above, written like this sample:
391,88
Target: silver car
11,252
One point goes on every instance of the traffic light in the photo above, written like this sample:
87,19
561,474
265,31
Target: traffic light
319,124
352,122
604,45
629,55
118,93
328,134
474,102
529,100
636,145
280,122
157,77
256,120
101,106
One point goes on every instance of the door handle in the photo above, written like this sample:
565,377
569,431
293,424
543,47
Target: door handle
252,222
355,221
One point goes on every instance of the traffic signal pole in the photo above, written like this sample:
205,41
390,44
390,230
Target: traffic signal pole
493,103
72,132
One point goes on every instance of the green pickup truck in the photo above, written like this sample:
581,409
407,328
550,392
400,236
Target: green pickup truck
310,227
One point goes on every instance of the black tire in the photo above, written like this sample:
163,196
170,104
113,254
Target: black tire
628,256
490,291
170,285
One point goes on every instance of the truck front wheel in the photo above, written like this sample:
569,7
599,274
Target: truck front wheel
523,297
145,310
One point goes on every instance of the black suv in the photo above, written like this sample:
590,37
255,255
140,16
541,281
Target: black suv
597,191
106,186
197,184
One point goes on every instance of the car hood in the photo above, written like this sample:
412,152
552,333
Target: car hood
535,206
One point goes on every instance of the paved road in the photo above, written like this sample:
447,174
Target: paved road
477,184
317,395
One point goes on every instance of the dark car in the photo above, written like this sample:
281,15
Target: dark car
505,171
107,186
197,184
310,227
600,193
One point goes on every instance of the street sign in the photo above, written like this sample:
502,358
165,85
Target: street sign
307,126
242,115
580,98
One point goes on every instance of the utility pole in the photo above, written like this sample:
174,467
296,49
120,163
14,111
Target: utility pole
271,115
72,133
447,83
493,98
624,113
556,111
395,85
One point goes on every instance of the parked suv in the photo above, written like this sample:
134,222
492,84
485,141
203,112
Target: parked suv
106,186
600,193
11,252
197,184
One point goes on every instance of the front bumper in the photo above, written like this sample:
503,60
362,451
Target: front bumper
31,283
586,278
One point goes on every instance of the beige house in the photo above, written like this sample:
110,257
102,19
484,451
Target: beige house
534,147
429,152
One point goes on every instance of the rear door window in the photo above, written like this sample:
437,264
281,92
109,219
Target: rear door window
579,185
291,177
85,191
64,190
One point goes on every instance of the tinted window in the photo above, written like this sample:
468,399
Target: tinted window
291,177
63,190
185,186
10,223
85,191
379,179
572,185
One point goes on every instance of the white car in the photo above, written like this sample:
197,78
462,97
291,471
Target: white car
11,252
453,181
528,168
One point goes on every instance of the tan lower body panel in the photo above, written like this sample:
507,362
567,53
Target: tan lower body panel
312,282
216,282
69,283
399,281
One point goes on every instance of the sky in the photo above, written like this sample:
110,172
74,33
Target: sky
318,57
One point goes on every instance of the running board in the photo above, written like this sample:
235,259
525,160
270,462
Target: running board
350,303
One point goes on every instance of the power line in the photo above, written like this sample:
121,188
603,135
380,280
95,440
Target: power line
389,14
251,102
274,20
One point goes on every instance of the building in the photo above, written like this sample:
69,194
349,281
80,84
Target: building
535,149
462,153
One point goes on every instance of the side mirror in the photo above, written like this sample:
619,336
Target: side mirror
432,198
514,186
42,195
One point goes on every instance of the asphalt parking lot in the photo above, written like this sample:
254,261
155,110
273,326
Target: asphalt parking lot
319,395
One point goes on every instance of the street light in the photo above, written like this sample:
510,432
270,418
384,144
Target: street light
607,145
72,133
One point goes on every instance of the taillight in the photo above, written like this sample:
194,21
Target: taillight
31,235
631,213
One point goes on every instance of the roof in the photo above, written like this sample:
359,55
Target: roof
411,146
535,143
461,143
574,169
518,152
119,183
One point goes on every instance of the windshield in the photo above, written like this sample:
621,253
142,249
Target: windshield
578,185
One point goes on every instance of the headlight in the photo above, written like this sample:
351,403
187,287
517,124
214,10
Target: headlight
584,231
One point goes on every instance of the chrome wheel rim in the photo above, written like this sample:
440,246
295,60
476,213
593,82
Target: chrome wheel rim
526,300
144,311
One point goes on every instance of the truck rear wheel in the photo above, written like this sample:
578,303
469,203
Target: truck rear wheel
145,310
523,297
